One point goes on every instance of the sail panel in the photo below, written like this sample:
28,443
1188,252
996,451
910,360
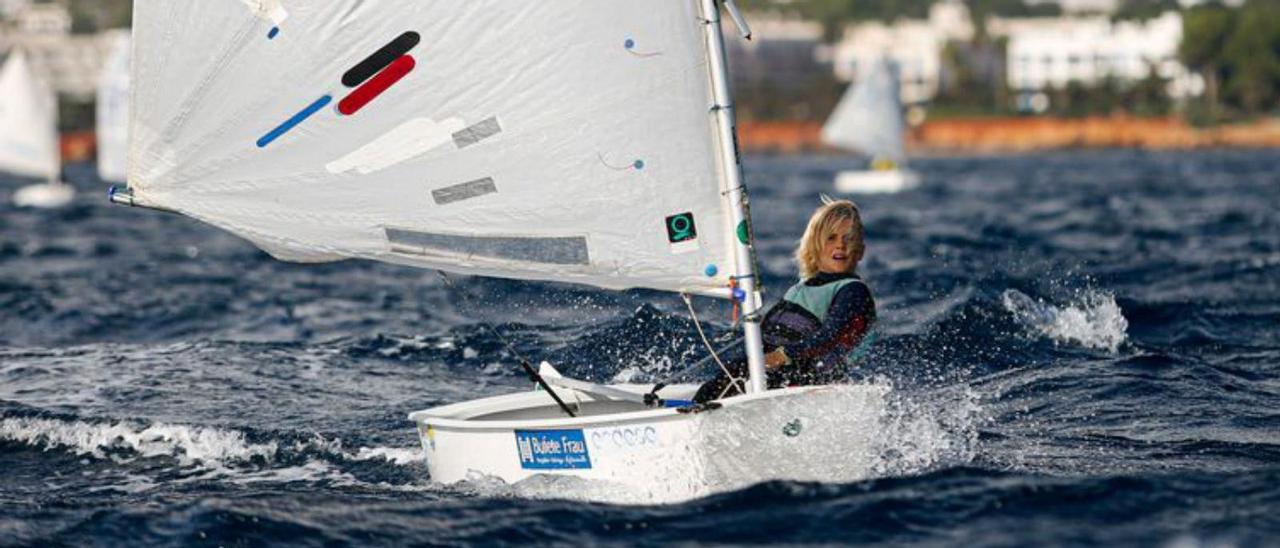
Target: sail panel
28,122
566,140
113,112
869,117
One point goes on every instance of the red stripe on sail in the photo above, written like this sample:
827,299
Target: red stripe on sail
352,104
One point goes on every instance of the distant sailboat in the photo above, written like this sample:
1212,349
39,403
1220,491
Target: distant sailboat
869,121
29,135
113,112
584,141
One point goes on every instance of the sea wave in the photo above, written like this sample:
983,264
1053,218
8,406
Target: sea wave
191,445
198,447
1093,320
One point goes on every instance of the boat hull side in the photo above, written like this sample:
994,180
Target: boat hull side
657,455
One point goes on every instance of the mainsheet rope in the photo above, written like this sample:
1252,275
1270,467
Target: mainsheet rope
688,301
524,363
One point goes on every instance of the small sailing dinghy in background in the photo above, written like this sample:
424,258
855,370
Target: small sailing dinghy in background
869,120
582,141
29,135
113,112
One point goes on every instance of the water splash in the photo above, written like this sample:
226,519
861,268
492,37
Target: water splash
205,448
837,435
192,446
928,431
1093,321
397,456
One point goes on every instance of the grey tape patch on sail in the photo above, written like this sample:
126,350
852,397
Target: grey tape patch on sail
464,191
565,250
480,131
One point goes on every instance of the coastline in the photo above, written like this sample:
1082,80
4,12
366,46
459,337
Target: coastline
1030,134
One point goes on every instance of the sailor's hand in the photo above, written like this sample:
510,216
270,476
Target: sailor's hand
775,359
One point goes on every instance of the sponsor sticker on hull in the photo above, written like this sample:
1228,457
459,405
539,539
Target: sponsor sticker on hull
624,439
552,449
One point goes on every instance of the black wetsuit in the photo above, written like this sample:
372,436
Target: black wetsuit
818,337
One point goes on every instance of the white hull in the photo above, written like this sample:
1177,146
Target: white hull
641,455
44,196
876,182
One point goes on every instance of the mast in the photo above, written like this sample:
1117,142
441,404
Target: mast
731,169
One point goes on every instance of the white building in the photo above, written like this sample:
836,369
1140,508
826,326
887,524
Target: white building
1193,3
70,63
914,45
1053,52
781,51
10,7
1081,6
42,19
1110,6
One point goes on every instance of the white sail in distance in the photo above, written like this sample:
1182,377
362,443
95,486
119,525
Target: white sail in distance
113,111
868,118
564,140
28,122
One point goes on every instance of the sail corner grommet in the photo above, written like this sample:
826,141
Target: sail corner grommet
120,196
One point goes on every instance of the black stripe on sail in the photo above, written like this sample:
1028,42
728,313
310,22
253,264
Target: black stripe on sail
380,59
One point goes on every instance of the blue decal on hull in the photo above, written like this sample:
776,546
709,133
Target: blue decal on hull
552,449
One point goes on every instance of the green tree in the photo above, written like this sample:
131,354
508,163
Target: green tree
1205,30
1252,56
1143,9
90,16
1149,96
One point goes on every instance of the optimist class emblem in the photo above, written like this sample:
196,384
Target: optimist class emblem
682,232
552,450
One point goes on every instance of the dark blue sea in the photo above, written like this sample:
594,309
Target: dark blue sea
1083,349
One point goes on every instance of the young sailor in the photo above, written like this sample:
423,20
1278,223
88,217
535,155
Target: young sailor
822,321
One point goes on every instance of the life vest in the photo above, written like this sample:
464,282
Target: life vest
817,298
801,311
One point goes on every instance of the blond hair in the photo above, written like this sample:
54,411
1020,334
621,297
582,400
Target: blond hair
824,222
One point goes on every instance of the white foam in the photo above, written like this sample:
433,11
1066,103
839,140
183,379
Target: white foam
394,455
205,447
847,436
929,431
1093,321
628,375
190,445
310,471
404,346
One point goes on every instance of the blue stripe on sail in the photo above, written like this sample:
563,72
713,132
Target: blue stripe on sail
294,121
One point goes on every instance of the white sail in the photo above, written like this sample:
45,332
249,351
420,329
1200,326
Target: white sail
567,140
869,117
113,112
28,122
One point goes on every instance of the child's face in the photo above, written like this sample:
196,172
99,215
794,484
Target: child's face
836,255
